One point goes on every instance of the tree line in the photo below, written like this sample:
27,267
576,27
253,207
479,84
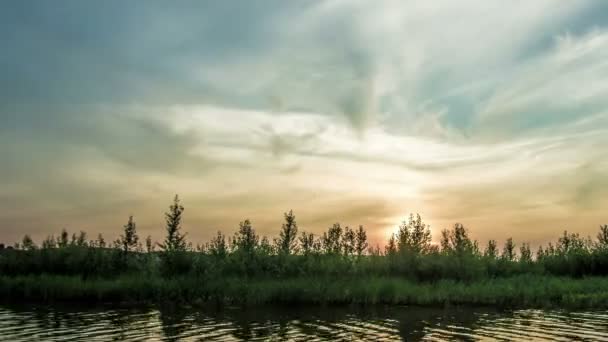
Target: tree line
338,251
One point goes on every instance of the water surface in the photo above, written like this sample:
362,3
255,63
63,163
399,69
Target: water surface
60,323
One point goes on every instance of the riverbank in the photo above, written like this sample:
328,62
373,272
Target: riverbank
519,291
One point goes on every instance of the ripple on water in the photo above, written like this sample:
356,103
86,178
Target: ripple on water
310,324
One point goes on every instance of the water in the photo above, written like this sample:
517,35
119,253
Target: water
306,324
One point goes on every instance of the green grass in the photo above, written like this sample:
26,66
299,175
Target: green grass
518,291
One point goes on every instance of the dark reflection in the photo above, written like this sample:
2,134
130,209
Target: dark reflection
26,323
174,322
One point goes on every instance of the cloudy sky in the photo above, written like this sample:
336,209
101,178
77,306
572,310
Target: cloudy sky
488,113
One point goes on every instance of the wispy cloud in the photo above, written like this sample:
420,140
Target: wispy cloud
489,112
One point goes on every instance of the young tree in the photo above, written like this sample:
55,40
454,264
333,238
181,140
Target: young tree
27,243
540,253
331,240
348,241
445,242
414,235
602,236
287,244
491,250
130,238
508,252
49,242
81,239
149,244
457,242
525,255
246,240
218,246
175,241
460,241
307,241
361,241
101,242
63,239
265,248
391,247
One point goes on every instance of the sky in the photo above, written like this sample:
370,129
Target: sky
487,113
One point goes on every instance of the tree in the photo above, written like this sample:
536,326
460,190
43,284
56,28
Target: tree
445,241
49,242
287,244
525,255
602,236
331,240
457,241
414,235
570,243
540,253
63,239
149,244
491,250
307,241
27,243
218,246
129,239
265,248
508,252
175,241
361,241
101,242
348,241
246,240
79,240
391,247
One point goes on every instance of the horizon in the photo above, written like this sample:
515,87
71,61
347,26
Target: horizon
344,111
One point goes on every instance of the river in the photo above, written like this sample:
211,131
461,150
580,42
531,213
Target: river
77,323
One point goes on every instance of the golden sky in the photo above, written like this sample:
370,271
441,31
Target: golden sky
345,111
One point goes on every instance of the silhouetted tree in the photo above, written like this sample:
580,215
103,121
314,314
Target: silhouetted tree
414,235
63,239
149,244
391,247
540,253
361,241
445,241
457,241
508,252
27,243
175,241
217,246
602,236
265,248
491,250
525,255
129,239
570,243
307,241
348,241
49,242
101,242
246,240
287,241
331,240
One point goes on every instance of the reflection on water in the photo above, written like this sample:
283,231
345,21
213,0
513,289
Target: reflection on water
394,323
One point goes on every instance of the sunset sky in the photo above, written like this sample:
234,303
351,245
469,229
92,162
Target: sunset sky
489,113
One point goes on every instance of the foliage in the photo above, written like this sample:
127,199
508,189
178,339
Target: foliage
340,254
287,241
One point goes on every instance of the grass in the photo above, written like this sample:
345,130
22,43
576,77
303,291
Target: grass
518,291
337,267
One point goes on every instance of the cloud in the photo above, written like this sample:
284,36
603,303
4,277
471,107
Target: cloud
369,110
